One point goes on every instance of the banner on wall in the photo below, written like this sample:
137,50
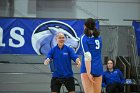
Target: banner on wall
136,26
37,35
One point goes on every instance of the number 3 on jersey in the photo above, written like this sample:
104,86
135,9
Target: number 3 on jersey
97,42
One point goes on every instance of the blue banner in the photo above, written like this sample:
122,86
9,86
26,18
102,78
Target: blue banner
37,35
137,33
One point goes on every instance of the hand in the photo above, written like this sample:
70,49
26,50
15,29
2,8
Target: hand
47,61
91,78
78,62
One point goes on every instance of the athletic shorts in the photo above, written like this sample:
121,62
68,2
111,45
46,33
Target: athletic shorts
95,75
56,84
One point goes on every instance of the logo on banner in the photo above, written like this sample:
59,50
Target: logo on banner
43,37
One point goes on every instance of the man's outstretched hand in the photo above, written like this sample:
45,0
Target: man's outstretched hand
47,61
78,62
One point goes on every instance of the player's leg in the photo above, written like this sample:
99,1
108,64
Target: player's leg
87,84
98,85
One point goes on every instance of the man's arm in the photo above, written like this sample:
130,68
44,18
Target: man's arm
74,57
49,56
47,61
78,62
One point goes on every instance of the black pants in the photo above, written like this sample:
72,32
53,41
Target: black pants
56,84
115,88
